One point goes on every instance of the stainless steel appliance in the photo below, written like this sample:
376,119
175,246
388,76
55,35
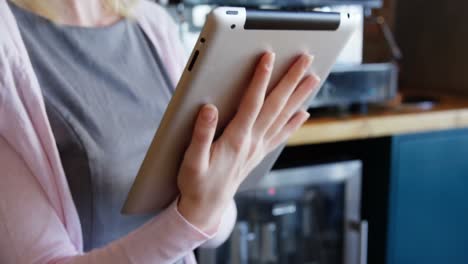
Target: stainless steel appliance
298,215
358,84
351,82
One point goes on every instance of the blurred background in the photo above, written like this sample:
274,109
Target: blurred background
379,173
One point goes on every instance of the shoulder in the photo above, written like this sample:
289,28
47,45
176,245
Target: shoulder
163,33
12,56
154,14
10,41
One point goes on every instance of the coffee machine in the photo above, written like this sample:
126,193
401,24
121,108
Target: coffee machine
351,81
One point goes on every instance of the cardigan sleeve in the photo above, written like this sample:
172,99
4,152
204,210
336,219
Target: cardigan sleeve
31,232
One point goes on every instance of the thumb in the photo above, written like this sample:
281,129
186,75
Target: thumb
203,135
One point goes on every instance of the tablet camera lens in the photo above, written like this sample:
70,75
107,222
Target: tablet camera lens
233,26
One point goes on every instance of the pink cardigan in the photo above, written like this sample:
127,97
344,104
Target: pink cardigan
38,220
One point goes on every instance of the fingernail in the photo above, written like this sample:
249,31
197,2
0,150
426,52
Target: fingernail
312,81
306,60
316,77
272,55
209,114
305,112
271,60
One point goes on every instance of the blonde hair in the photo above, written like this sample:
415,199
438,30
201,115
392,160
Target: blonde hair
121,7
42,7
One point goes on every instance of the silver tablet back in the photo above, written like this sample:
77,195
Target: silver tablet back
218,72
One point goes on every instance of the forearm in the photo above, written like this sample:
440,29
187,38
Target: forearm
165,239
31,232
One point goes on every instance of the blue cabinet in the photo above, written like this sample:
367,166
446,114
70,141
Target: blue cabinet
428,213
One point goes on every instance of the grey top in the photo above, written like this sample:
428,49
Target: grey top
105,92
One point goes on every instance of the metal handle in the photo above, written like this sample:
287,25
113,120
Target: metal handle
363,229
363,239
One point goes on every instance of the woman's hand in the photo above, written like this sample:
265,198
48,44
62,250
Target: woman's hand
211,171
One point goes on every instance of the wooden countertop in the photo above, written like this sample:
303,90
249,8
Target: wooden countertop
392,119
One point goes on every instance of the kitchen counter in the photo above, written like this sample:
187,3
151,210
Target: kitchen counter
394,118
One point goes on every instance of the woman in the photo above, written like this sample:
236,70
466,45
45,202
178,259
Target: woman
82,90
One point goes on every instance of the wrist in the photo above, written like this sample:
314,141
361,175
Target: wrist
203,215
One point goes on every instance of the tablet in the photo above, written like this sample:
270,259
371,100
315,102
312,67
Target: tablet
218,72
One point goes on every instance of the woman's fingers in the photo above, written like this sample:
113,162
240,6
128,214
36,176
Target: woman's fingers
278,98
297,99
292,126
254,98
198,153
